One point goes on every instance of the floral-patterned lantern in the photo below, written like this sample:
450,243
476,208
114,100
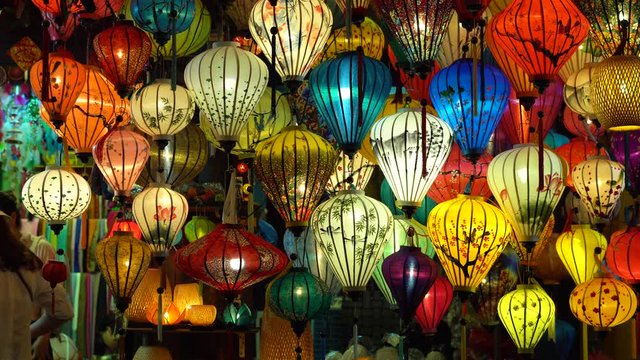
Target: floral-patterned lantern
623,252
163,18
354,171
603,302
434,305
600,183
575,152
367,35
581,251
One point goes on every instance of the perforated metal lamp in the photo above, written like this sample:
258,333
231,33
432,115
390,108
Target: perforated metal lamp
615,87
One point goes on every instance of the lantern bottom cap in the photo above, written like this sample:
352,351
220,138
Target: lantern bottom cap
622,127
467,289
526,351
602,329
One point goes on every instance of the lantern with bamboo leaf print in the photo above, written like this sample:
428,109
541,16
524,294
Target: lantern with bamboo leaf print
411,148
434,305
527,312
352,230
527,189
470,97
367,35
294,167
615,90
468,235
354,171
303,27
603,302
190,40
577,91
417,29
581,251
163,18
522,32
623,252
122,51
611,21
123,261
57,86
160,212
600,183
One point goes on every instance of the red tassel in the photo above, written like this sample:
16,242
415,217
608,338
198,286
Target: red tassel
424,137
360,84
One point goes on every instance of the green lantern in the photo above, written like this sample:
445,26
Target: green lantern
238,315
198,227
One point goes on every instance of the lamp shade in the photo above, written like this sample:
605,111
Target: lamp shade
367,35
470,97
527,204
434,305
303,29
580,126
294,167
603,302
163,18
581,251
575,152
629,156
160,212
469,236
606,18
349,92
526,312
186,295
202,315
123,261
615,90
145,297
577,91
190,40
196,228
171,314
623,252
600,183
227,83
352,229
356,171
411,153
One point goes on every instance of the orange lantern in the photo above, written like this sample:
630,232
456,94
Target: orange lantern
547,264
52,6
575,152
171,315
623,254
603,302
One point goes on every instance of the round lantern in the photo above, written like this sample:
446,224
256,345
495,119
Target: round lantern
123,261
626,149
434,305
520,31
585,54
580,126
615,92
411,148
120,156
470,97
547,264
190,40
603,302
622,254
230,259
303,29
349,92
457,39
352,229
163,18
354,171
294,167
227,83
122,51
527,203
526,313
581,251
196,228
577,91
58,87
367,35
160,212
599,182
610,19
575,152
469,235
56,195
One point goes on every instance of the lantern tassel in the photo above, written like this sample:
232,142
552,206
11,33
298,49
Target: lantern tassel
423,136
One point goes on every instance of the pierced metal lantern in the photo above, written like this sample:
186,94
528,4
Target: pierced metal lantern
163,18
600,183
615,92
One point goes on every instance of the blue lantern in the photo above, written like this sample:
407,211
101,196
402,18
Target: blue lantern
470,96
155,16
349,92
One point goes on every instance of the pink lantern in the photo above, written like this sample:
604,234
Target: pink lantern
575,124
575,152
434,305
60,32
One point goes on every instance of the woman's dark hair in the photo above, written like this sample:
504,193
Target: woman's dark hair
13,254
9,205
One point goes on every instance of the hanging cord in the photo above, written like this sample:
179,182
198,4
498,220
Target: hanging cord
482,76
474,81
347,14
624,38
567,223
274,72
355,330
626,160
423,136
174,57
46,81
467,189
463,329
360,82
540,152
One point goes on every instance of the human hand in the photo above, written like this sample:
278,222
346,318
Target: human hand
40,348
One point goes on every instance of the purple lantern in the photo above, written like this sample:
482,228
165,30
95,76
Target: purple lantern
631,164
409,274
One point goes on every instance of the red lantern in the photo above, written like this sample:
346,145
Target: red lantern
51,6
123,51
580,126
575,152
540,36
54,272
125,225
418,87
623,254
103,8
60,31
470,11
434,305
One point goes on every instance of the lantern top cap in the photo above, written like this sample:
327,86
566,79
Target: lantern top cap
527,287
350,192
219,44
470,197
597,157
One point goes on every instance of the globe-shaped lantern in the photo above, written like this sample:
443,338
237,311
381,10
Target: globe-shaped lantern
349,92
163,18
521,31
354,171
367,35
352,230
626,149
469,236
196,228
411,148
434,305
57,86
227,83
615,90
580,126
160,212
577,91
470,97
581,251
122,51
56,195
623,252
600,183
526,313
611,21
527,202
603,302
123,261
575,152
303,29
294,167
190,40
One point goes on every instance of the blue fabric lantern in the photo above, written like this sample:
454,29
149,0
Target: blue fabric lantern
154,16
472,118
350,91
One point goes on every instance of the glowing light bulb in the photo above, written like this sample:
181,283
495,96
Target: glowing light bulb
235,264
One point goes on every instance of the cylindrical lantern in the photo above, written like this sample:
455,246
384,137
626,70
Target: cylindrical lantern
623,252
600,183
367,35
434,305
163,18
575,152
603,302
356,171
581,251
190,40
577,91
202,315
615,92
187,295
145,297
607,29
196,228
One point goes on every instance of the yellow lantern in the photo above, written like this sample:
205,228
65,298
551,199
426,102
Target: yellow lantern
578,249
615,87
146,296
367,35
584,55
603,302
187,295
468,235
527,312
189,41
454,40
202,315
599,182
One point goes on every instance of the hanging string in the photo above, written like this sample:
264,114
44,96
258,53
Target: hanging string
355,330
474,81
360,83
540,152
570,215
423,135
347,14
174,55
46,81
482,76
274,73
624,38
463,330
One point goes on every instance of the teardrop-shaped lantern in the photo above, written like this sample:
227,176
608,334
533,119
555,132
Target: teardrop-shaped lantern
608,18
615,92
603,302
581,251
356,171
577,91
367,35
434,305
163,18
575,152
623,254
190,40
600,183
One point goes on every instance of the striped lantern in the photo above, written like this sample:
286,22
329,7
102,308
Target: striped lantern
581,250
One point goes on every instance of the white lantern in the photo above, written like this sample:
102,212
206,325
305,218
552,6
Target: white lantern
56,195
352,230
227,83
577,91
356,171
411,157
599,182
159,111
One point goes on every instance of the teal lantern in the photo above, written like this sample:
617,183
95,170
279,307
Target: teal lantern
349,92
196,228
237,314
163,18
470,96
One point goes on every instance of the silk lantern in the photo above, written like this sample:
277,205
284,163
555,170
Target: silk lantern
622,254
546,263
54,7
163,18
352,229
458,42
585,54
626,149
349,92
611,21
580,126
575,152
411,148
577,91
354,171
367,35
615,90
468,235
603,302
600,183
190,40
581,251
294,187
434,305
196,228
470,97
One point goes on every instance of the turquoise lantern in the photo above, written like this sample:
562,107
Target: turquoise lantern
163,18
470,96
349,92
